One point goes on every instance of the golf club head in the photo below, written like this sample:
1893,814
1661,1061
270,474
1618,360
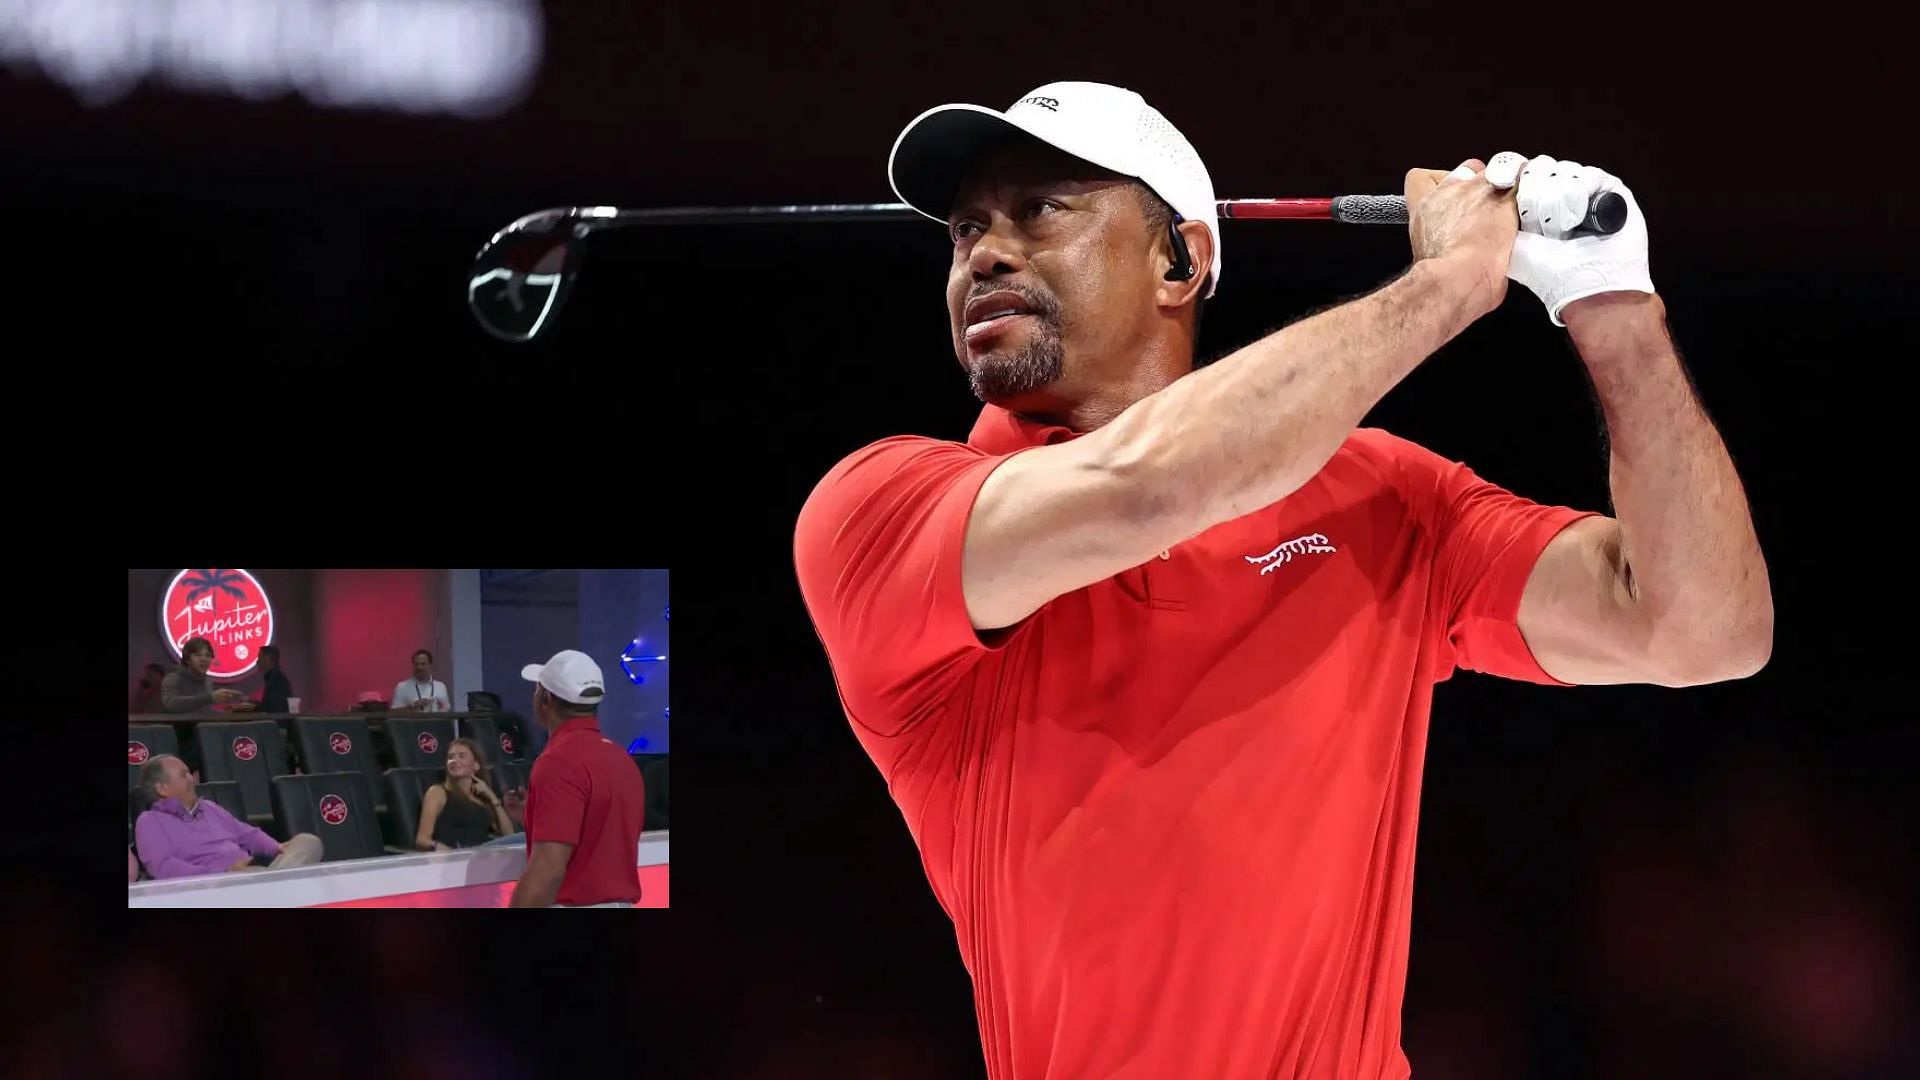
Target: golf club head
523,273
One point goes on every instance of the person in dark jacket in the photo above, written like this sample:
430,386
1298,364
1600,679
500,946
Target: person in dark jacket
273,699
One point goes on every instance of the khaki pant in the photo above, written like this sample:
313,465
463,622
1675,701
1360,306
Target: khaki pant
303,850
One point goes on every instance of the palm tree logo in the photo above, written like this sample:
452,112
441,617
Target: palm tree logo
205,586
206,581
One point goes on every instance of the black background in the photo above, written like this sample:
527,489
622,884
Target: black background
258,307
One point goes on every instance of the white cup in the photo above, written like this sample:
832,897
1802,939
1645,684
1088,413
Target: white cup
293,704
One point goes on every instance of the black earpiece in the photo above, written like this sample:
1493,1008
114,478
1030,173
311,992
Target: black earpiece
1182,268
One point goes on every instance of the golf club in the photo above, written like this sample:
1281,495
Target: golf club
522,274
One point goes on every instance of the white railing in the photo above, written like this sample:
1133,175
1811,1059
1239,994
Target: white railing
357,879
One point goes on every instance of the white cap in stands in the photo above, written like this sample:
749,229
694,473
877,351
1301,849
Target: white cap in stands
569,676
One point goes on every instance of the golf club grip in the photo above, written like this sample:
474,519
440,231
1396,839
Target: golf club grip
1606,212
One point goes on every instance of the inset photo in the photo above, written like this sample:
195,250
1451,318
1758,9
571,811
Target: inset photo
397,738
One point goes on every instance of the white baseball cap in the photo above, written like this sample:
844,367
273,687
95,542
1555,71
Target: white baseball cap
569,676
1108,126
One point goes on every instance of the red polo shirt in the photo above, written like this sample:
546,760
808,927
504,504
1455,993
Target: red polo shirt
585,791
1172,814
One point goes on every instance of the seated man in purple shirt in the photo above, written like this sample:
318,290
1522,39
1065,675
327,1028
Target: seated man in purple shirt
183,834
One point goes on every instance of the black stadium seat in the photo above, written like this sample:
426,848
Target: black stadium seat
341,744
515,728
507,776
484,732
405,790
145,742
498,742
336,807
252,753
137,803
653,772
419,743
226,793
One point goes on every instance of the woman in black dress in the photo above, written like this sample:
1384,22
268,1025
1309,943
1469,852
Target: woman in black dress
460,811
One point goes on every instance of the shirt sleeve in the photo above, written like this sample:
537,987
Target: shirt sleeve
256,840
250,837
1486,541
560,793
273,699
176,698
877,549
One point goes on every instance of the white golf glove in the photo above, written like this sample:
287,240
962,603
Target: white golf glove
1553,199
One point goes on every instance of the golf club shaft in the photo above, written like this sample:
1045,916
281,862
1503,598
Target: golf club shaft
1379,209
1605,214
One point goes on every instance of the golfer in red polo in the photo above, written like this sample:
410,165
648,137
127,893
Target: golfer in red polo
1147,660
585,800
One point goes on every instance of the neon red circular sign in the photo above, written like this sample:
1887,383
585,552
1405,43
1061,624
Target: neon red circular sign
506,742
339,743
333,809
227,607
245,749
136,753
427,742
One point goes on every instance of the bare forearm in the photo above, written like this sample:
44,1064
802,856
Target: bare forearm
1253,427
1687,538
537,888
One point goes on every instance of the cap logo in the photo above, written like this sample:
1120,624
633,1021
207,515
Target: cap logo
1047,103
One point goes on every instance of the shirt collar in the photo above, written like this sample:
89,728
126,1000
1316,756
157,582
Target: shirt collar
1001,432
172,806
578,724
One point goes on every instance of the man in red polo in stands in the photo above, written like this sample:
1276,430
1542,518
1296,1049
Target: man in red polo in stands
1147,660
585,800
